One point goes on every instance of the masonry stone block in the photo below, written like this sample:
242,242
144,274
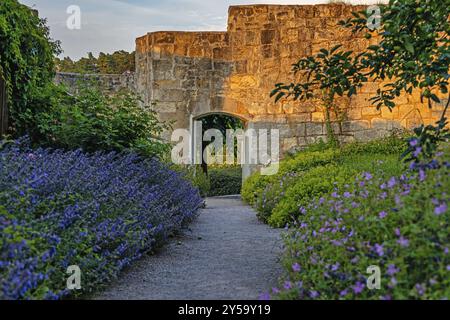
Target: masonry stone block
314,128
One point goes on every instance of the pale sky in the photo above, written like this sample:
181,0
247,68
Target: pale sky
110,25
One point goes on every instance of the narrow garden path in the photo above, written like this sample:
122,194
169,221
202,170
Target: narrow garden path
226,254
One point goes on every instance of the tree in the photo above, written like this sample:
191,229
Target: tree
413,53
115,63
26,60
325,76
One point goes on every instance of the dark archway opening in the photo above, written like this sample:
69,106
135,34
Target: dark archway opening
225,179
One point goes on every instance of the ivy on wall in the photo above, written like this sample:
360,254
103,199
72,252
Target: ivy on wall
26,60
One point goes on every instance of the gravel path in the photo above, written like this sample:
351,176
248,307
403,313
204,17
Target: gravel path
227,254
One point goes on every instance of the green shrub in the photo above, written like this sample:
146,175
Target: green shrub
93,121
256,184
314,172
253,187
397,223
225,181
196,176
26,61
322,180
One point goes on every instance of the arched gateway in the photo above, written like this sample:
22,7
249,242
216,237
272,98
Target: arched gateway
190,74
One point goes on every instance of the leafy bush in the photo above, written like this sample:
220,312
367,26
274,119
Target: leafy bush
26,60
100,212
225,181
398,223
93,121
256,184
195,175
322,180
313,173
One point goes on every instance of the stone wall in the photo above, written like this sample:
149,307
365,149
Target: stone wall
109,83
191,74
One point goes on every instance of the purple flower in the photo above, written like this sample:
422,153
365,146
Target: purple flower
441,209
264,296
392,182
367,176
379,249
403,242
313,294
422,176
275,290
296,267
417,152
335,267
383,214
347,195
343,293
413,142
358,287
392,269
397,232
420,289
288,285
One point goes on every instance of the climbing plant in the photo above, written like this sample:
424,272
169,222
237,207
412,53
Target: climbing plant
413,53
327,75
26,60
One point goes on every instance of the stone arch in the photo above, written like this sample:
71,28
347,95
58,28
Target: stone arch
246,122
245,119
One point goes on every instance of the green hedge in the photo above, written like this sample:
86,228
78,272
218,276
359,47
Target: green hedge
315,172
398,223
225,181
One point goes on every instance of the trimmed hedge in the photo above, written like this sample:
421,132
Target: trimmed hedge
313,173
225,181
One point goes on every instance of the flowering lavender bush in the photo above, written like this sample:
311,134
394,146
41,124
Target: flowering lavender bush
400,224
100,212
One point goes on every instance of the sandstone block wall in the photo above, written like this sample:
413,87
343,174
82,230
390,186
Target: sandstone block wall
191,74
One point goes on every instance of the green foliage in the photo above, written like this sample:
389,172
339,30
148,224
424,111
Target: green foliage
424,145
225,181
399,223
115,63
322,180
93,121
26,60
316,172
414,53
220,181
196,176
253,187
